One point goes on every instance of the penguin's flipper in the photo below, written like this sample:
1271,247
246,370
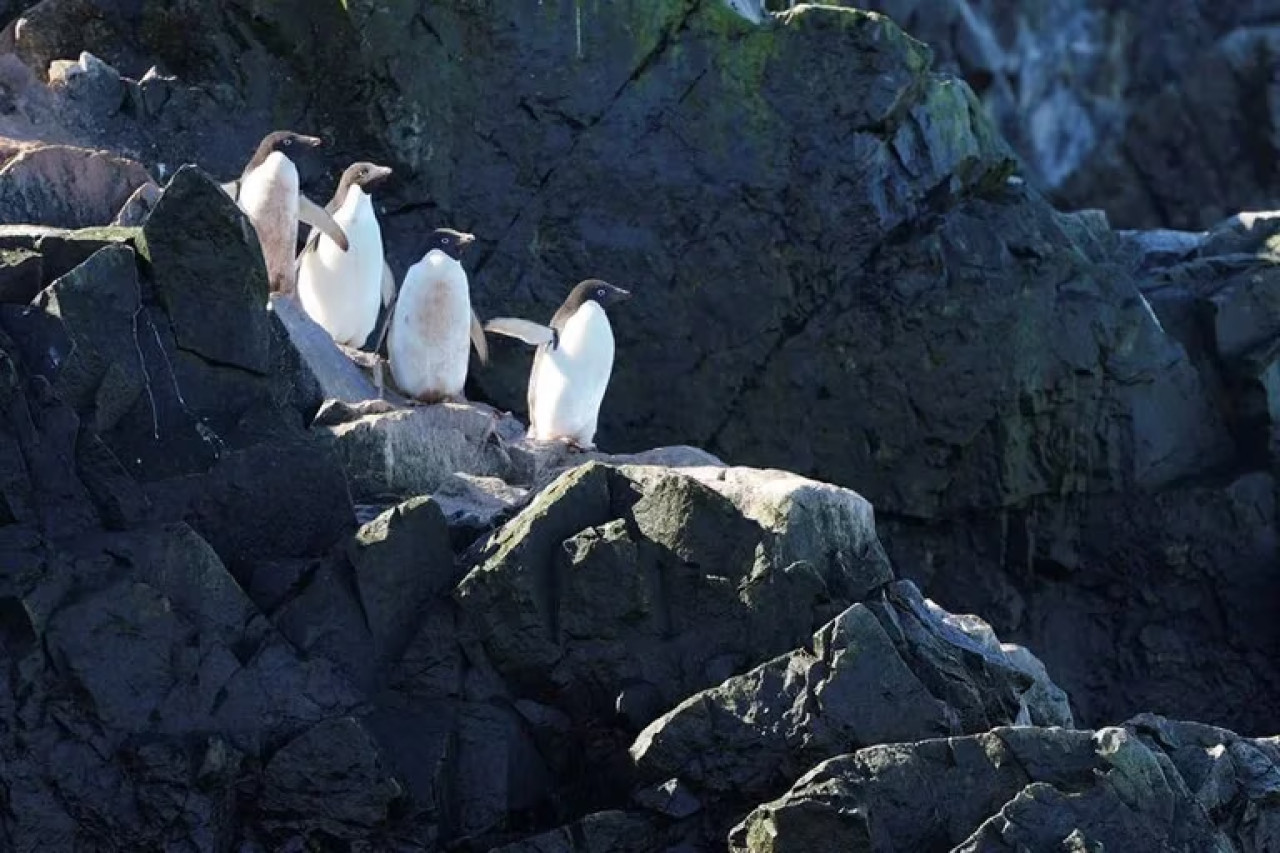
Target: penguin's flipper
388,285
478,339
313,240
533,334
319,218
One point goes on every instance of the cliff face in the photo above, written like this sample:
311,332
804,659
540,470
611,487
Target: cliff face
840,268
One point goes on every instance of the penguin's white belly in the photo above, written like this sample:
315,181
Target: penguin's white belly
342,291
570,380
269,197
429,340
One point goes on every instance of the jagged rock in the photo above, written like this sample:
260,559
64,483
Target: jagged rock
671,798
67,187
200,250
1179,786
888,670
1181,577
474,505
392,451
330,783
408,451
1161,123
99,369
55,29
266,501
91,81
402,559
340,379
21,275
138,206
466,764
618,831
59,251
617,582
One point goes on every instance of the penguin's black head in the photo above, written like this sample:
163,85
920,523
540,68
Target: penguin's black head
362,175
595,290
450,242
286,142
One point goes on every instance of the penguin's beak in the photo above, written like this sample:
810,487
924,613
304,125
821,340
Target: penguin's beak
465,240
622,295
313,141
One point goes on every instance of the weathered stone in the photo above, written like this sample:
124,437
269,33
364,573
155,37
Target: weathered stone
475,505
138,207
402,560
618,831
89,80
21,275
333,769
883,672
201,249
100,370
1035,789
409,451
612,579
67,187
55,29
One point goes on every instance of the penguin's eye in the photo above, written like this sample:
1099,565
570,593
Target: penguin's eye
364,173
445,240
600,293
287,142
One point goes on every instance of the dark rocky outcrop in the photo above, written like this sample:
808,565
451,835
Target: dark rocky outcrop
249,606
1163,120
1179,786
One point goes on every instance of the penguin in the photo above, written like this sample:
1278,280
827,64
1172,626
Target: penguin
269,194
343,291
572,365
430,321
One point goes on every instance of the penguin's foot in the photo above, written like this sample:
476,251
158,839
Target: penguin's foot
579,447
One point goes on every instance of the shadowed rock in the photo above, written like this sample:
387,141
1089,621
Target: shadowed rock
892,669
1179,786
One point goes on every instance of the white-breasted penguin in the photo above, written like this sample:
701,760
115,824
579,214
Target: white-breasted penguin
343,291
432,325
572,365
268,191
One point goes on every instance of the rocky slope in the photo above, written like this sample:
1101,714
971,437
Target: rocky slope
1165,115
235,619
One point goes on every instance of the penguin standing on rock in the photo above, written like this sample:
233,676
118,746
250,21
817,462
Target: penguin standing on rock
431,322
343,291
572,365
269,193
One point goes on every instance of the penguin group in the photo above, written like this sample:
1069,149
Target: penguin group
428,327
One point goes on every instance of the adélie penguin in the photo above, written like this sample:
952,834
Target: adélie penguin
432,325
343,291
269,193
572,365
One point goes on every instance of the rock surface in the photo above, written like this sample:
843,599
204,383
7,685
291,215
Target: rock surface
1067,430
892,669
1180,786
67,187
1162,120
